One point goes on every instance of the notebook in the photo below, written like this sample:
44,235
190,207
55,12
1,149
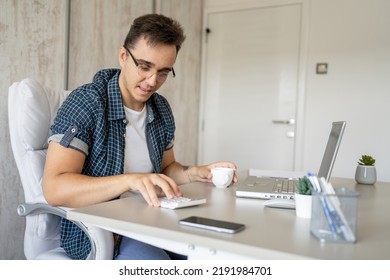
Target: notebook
284,188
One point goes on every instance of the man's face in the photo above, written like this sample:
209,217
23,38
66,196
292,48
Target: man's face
138,83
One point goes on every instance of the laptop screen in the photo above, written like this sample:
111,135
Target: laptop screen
331,150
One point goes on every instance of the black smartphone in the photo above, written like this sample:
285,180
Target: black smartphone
211,224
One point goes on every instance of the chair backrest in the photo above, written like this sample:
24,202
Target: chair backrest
31,109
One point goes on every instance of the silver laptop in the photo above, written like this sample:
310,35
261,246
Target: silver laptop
284,188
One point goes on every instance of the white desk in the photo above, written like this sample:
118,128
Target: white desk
270,233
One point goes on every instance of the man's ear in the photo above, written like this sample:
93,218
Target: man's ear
122,55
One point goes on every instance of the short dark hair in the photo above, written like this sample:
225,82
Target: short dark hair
156,29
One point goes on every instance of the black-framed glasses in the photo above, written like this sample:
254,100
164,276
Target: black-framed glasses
145,70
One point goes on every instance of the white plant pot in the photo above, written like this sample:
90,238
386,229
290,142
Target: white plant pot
303,204
365,175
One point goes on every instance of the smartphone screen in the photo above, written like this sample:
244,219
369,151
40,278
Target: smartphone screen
211,224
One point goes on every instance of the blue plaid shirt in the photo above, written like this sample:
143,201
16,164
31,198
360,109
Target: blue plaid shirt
92,120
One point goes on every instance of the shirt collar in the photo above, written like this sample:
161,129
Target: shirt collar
149,111
115,104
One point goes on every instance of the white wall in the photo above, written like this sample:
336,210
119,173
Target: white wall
353,37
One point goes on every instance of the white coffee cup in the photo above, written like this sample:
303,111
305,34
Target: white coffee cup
222,176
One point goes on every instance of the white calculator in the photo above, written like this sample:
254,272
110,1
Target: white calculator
180,202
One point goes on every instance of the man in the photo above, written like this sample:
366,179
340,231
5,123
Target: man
116,134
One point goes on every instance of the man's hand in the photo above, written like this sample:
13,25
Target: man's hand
151,186
203,173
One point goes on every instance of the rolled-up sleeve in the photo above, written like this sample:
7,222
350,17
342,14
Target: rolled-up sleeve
69,128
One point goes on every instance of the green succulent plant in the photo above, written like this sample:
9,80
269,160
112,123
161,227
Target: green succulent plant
304,186
366,160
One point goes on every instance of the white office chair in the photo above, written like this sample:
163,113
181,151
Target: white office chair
31,110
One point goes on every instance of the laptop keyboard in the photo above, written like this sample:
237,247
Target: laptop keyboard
284,186
267,188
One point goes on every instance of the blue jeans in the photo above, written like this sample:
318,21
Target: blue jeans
131,249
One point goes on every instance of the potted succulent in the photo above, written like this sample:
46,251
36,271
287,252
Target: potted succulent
303,197
304,186
365,170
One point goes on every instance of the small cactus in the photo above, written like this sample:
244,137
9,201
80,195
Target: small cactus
304,186
366,160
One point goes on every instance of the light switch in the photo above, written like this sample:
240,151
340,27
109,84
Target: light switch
322,68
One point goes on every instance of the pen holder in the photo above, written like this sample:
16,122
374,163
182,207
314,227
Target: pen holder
334,216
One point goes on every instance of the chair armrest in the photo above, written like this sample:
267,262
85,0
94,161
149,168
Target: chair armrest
95,235
25,209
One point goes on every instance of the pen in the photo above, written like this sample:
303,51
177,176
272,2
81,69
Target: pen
324,204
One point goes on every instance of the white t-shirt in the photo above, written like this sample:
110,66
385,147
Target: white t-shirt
137,158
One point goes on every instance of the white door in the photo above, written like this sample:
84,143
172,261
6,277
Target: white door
250,86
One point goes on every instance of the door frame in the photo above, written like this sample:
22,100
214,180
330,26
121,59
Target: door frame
213,6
